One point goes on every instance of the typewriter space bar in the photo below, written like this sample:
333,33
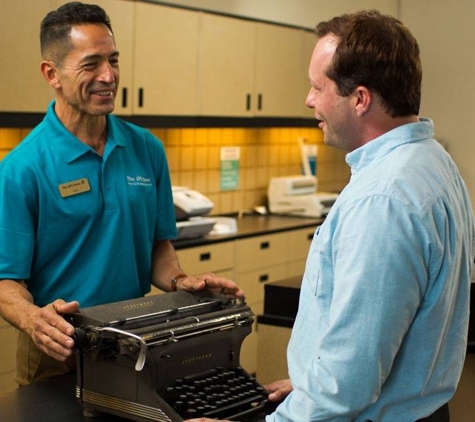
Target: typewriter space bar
237,409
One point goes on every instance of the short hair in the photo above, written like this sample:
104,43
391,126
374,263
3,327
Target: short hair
56,27
376,51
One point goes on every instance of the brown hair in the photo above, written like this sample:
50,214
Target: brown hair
376,51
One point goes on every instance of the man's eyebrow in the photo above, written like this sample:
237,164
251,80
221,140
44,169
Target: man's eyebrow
98,56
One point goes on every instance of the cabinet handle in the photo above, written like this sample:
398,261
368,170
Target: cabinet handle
265,245
205,256
248,102
124,97
259,102
263,278
310,236
140,97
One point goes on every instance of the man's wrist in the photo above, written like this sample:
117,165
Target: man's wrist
174,281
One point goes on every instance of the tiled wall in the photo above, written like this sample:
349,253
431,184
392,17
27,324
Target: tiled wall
194,159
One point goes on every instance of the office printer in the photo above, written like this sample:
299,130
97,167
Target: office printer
297,195
167,358
190,208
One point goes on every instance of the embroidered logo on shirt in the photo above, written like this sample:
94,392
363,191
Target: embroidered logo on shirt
139,181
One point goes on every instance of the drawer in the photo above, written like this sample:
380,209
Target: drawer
252,282
209,258
300,241
262,251
8,340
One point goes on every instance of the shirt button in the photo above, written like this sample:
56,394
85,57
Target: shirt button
108,185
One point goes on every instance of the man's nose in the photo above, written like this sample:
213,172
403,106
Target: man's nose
107,73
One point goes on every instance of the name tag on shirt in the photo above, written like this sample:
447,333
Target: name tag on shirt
75,187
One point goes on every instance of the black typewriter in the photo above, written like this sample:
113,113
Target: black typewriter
167,358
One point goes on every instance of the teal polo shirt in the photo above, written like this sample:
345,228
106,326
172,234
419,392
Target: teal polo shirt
79,226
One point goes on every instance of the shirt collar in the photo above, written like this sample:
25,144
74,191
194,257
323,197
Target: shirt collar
378,147
69,147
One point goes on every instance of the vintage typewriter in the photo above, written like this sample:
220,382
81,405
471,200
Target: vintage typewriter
167,358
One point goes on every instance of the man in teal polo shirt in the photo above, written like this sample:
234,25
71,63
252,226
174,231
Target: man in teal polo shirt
86,209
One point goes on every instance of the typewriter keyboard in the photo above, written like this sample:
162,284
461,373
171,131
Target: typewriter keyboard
219,393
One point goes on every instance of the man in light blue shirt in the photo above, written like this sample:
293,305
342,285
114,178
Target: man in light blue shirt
381,329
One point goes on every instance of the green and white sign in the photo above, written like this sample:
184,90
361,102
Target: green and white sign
230,167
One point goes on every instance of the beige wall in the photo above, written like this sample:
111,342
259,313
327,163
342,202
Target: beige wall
446,35
304,13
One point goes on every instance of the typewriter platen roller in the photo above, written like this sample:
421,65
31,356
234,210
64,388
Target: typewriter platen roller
167,358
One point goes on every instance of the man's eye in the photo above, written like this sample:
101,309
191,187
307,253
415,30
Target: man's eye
89,65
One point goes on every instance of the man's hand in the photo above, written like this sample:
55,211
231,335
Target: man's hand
204,420
279,390
50,331
211,282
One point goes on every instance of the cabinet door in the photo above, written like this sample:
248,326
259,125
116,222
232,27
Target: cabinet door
309,41
121,15
166,60
22,87
226,68
279,72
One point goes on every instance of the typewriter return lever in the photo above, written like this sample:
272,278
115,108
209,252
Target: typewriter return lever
143,346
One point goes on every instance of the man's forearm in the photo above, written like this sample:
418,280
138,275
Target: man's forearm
165,265
16,303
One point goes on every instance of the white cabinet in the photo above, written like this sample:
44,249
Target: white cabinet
309,41
250,69
22,87
226,66
165,60
173,61
258,260
279,75
299,245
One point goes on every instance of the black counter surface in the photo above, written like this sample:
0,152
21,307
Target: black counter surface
51,400
250,226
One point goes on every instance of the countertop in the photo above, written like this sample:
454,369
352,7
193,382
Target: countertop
51,400
250,225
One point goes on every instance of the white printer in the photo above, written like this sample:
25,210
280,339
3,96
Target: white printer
190,208
297,195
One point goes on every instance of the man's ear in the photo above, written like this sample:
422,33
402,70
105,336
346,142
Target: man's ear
50,73
363,100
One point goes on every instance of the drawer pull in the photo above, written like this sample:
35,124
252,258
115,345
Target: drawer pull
310,237
205,256
265,245
263,278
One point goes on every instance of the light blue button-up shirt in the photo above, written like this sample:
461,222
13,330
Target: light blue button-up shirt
381,329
